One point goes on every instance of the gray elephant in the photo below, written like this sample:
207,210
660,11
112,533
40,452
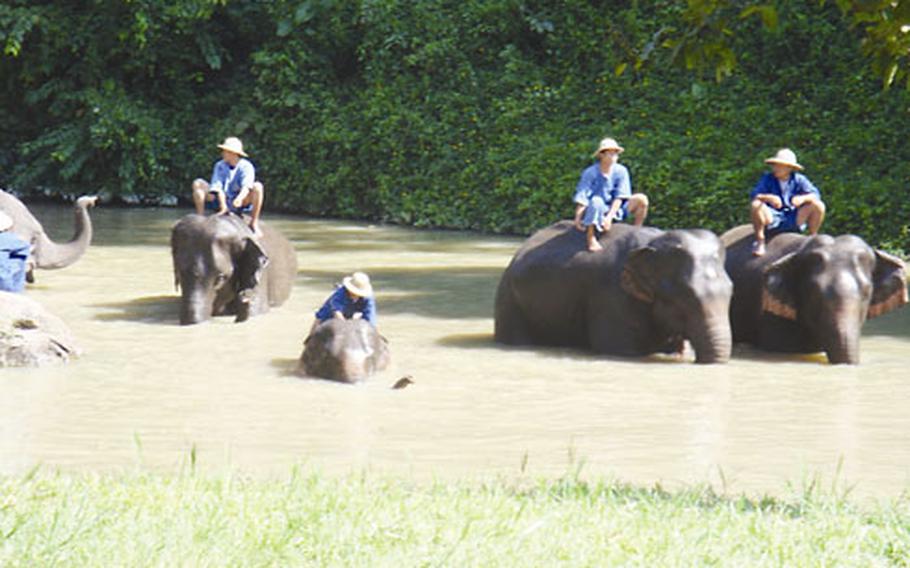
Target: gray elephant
222,268
45,253
347,350
810,294
645,292
30,336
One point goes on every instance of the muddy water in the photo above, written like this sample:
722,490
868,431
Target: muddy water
150,392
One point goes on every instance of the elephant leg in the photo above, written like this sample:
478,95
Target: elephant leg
511,327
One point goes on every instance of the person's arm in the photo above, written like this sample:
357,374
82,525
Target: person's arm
581,198
763,193
369,312
247,176
333,305
805,192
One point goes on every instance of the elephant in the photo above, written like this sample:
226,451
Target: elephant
646,292
45,253
346,350
808,294
30,336
223,268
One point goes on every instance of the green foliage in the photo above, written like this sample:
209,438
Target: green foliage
474,114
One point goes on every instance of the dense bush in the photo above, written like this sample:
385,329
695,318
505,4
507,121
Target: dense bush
472,114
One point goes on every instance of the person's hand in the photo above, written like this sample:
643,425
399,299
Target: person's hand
339,315
774,201
357,316
237,203
800,200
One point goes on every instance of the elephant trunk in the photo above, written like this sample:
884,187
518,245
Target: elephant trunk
49,255
711,339
843,348
195,306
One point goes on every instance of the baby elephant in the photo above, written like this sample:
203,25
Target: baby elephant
347,350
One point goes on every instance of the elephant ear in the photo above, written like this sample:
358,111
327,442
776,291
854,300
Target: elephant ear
778,296
249,264
889,284
638,278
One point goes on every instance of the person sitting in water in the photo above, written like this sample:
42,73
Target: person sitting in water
233,187
13,257
353,299
784,201
604,194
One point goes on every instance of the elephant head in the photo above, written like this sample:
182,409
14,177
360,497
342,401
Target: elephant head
831,286
45,252
218,262
681,276
344,350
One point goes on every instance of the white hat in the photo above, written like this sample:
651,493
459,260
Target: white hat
233,144
5,221
608,144
785,157
359,284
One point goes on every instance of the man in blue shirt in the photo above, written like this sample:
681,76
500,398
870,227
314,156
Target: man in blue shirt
784,201
604,194
352,300
13,257
233,187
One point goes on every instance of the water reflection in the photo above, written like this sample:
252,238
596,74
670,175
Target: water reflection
475,408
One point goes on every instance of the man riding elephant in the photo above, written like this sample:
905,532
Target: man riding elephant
233,187
604,194
784,201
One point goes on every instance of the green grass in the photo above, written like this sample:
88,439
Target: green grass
312,519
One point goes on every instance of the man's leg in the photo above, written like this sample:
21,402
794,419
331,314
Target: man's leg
761,218
813,213
254,197
638,207
593,216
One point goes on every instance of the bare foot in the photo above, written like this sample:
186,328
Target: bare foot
255,229
594,246
758,248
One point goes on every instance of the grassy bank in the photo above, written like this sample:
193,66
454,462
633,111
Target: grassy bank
313,519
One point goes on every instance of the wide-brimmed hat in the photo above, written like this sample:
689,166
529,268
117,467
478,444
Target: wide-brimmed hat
5,221
608,144
785,157
359,284
233,144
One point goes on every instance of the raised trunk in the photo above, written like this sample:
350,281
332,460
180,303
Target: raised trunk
711,340
49,254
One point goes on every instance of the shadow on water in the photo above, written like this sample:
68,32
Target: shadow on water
151,309
286,367
447,292
485,341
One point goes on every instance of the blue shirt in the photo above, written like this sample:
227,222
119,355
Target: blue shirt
798,184
232,180
616,184
341,301
13,256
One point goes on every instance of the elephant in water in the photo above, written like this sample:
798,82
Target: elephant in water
45,253
222,268
344,350
645,292
810,294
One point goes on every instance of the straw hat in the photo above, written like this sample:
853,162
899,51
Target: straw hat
608,144
785,157
359,284
233,144
5,221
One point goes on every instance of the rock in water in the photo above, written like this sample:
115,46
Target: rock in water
30,336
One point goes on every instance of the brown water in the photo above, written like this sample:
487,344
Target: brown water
148,391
